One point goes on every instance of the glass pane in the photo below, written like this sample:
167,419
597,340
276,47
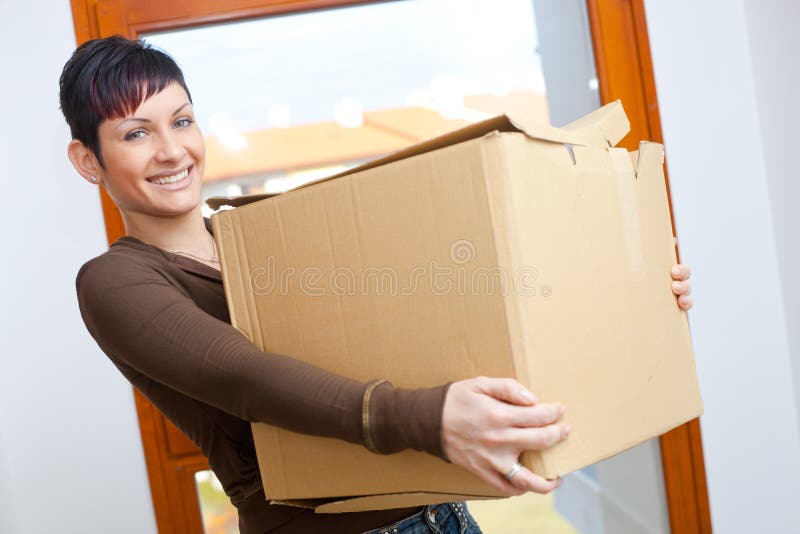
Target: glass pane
284,100
287,99
622,494
219,515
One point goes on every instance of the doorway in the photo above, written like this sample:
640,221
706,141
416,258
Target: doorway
289,91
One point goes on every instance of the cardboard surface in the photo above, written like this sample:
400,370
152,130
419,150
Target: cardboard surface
501,249
381,502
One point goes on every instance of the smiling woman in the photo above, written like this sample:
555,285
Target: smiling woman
155,304
142,158
134,131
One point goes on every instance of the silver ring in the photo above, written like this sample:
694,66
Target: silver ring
513,471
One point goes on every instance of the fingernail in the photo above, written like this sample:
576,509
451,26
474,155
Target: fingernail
677,285
527,395
676,271
567,430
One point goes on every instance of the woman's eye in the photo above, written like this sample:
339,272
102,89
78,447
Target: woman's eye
183,123
134,135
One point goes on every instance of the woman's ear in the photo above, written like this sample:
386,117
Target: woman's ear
85,162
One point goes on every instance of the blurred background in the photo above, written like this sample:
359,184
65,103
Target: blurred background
305,93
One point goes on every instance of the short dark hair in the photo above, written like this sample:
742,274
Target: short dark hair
109,78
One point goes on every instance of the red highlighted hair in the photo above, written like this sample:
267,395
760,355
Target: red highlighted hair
108,79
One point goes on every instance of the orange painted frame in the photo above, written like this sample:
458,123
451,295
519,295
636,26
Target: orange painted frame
624,69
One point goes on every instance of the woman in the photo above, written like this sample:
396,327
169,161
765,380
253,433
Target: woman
155,304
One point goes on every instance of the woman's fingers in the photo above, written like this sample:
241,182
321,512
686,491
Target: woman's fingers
527,480
522,482
506,389
534,439
680,272
681,288
499,482
539,415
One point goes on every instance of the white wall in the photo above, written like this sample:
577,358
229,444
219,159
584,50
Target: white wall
774,44
730,132
71,459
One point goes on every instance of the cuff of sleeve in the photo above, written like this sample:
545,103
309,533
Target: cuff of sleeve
402,418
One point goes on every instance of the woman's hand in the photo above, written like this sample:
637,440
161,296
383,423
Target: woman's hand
681,286
488,422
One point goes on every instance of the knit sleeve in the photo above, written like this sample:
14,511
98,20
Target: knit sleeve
141,320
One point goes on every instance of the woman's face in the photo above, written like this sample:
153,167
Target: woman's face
155,157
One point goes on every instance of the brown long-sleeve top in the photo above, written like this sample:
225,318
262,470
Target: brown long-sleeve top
163,320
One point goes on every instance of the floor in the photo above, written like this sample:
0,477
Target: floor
527,514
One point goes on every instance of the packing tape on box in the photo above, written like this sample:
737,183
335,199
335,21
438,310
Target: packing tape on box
626,182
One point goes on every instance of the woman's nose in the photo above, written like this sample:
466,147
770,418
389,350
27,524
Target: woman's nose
170,148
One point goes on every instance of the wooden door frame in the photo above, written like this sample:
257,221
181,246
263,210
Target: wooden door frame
624,71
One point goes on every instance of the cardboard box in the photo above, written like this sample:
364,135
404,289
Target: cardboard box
503,249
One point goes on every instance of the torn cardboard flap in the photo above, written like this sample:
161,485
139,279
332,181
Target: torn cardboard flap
603,127
648,152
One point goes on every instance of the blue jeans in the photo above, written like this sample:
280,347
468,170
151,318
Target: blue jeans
448,518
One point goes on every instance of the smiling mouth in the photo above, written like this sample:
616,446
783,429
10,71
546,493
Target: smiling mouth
171,179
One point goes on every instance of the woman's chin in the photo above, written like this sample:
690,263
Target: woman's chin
176,207
179,201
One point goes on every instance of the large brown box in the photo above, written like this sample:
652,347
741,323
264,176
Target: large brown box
503,249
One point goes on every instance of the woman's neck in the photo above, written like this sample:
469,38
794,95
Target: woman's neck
186,233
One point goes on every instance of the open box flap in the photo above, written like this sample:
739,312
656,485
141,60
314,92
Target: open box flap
381,502
603,127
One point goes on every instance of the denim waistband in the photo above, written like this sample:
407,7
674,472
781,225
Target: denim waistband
434,518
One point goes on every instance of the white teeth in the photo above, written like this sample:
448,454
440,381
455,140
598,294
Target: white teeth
172,179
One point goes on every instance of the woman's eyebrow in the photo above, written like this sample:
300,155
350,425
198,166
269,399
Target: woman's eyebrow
180,108
148,120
